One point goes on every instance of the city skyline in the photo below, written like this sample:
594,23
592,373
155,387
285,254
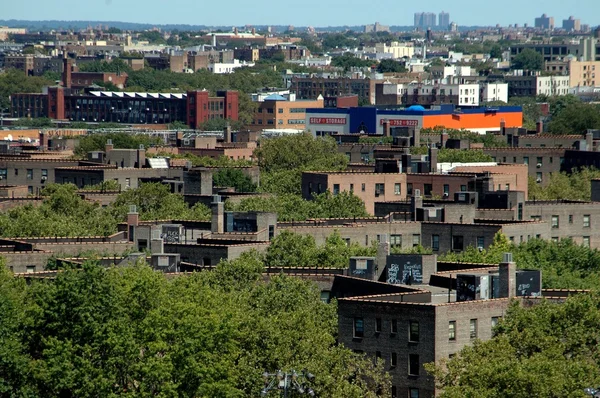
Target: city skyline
301,14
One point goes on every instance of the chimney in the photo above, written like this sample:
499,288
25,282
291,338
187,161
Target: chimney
66,70
539,126
383,251
218,215
502,126
253,31
43,141
109,146
589,141
508,276
433,159
133,220
416,202
443,139
141,157
386,128
227,134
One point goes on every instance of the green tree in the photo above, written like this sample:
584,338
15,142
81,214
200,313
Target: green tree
390,65
97,142
235,178
348,61
15,81
574,186
116,65
528,59
575,118
154,201
463,156
496,51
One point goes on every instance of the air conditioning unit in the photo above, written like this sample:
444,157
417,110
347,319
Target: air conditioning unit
186,142
445,196
44,178
538,165
538,180
377,193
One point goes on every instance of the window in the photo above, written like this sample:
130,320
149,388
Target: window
446,190
538,177
525,159
463,188
540,161
586,221
379,189
586,241
394,392
378,354
359,328
3,174
397,189
435,242
428,188
396,240
409,189
473,329
30,269
44,173
363,187
554,239
570,218
413,331
30,174
413,364
351,187
480,242
280,110
377,325
394,326
495,320
128,182
413,393
457,242
16,172
554,223
336,189
393,359
30,190
416,240
452,331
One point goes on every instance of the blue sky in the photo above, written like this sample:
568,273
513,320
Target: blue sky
300,12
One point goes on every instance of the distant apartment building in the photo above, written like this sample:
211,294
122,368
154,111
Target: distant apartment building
493,91
581,73
369,187
398,50
444,20
571,24
376,27
225,68
278,112
424,20
312,87
531,84
583,49
22,62
544,22
428,94
5,31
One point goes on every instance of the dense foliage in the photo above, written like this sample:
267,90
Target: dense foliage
462,156
15,81
528,59
291,207
64,213
574,186
235,178
283,159
97,142
488,140
549,350
289,249
132,332
564,264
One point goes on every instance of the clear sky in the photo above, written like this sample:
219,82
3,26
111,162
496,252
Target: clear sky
300,12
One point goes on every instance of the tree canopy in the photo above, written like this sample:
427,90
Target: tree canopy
235,178
97,142
574,186
96,332
528,59
16,81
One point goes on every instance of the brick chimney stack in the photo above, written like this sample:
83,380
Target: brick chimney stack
508,276
67,69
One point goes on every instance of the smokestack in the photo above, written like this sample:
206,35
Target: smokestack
66,71
227,134
416,202
109,146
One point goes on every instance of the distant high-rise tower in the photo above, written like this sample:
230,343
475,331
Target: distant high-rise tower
571,24
544,22
444,20
424,20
